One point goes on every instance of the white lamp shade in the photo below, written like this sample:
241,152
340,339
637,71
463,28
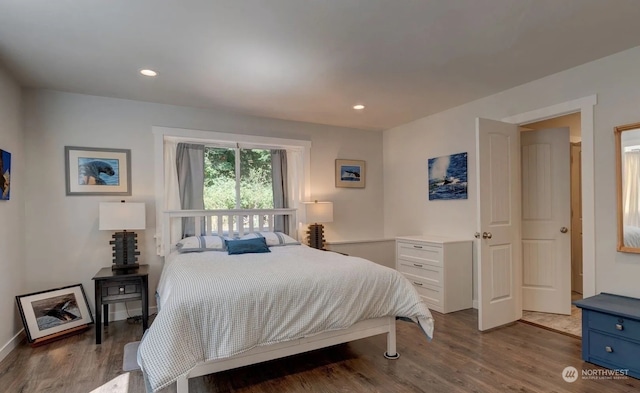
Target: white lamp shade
118,216
318,211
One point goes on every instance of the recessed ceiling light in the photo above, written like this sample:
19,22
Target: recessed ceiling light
148,72
358,107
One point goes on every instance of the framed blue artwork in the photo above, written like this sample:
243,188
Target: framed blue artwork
5,175
97,171
350,173
448,177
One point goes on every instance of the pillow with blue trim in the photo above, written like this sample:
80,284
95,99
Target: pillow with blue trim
273,239
201,243
247,246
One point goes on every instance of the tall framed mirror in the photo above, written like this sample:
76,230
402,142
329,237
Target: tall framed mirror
628,186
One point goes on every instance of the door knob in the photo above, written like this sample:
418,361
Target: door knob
476,235
487,235
564,230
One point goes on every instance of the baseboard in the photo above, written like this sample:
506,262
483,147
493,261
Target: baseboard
9,346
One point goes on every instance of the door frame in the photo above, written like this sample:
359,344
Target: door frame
585,107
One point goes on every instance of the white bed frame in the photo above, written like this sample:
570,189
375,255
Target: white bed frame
221,222
263,220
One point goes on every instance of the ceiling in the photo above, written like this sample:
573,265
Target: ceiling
308,60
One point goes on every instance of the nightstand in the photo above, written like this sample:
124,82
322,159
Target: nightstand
117,286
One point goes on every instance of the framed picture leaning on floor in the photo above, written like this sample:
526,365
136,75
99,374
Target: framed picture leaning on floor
55,311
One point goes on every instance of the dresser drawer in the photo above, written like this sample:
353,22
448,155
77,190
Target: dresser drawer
428,273
431,294
117,291
614,351
615,325
420,253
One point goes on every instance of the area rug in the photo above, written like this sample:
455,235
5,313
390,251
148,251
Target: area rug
570,325
130,358
119,384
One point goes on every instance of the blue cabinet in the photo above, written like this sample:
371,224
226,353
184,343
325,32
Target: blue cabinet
611,332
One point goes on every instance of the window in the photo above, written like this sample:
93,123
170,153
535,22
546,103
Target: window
292,168
237,178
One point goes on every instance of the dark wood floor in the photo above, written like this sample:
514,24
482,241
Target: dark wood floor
516,358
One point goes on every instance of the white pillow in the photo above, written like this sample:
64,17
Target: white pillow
274,239
201,243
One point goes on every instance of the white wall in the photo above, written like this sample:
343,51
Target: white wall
616,82
380,251
71,249
12,258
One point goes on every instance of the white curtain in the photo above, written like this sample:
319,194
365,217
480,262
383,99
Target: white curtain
171,188
631,188
296,191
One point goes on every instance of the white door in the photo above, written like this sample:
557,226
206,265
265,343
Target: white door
546,219
499,237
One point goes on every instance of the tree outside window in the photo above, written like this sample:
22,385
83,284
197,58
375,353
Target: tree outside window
226,187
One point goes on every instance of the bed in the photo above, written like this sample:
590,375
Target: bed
219,311
631,236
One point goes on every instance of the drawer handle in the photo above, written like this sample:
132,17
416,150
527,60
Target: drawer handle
417,265
417,283
608,349
121,289
414,246
619,326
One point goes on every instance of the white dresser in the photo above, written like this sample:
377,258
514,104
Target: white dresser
440,268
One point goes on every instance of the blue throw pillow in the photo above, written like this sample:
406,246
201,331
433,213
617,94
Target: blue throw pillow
245,246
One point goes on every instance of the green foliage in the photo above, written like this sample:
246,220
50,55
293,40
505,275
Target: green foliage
220,194
256,190
255,179
218,163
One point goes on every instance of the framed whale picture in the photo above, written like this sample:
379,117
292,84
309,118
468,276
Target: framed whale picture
50,313
97,171
448,177
350,173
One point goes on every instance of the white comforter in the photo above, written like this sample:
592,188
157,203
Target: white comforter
214,305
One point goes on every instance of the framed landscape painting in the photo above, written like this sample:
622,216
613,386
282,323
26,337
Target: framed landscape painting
54,311
350,173
448,177
97,171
